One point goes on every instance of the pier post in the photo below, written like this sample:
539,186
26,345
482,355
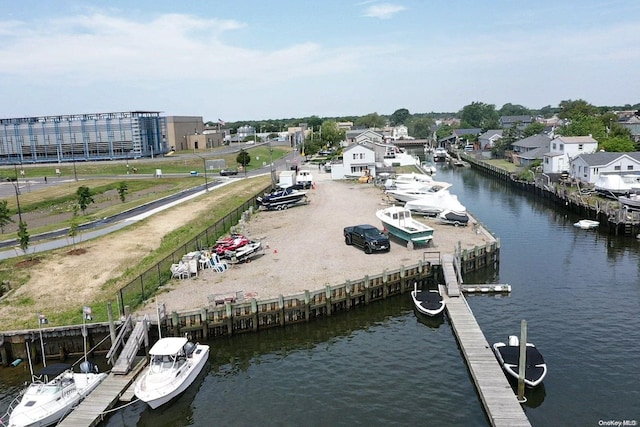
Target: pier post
112,326
204,321
347,291
229,319
307,303
522,363
367,295
281,309
327,290
3,352
254,314
175,320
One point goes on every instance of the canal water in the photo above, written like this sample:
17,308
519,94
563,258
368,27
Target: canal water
382,365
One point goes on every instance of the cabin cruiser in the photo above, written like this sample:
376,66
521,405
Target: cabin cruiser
429,193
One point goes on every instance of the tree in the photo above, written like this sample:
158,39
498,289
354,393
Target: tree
330,133
85,198
574,109
514,110
243,158
372,120
617,144
444,131
509,136
123,190
23,236
583,126
399,117
5,216
533,129
73,225
479,115
420,127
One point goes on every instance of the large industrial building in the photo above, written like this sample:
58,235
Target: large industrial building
100,136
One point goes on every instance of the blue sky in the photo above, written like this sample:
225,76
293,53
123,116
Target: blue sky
256,59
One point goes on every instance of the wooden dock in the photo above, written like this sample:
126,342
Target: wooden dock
498,398
92,410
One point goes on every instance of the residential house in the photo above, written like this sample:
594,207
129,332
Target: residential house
633,124
528,150
487,139
357,160
564,148
587,167
519,122
363,135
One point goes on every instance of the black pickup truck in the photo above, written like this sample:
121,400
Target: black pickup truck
367,237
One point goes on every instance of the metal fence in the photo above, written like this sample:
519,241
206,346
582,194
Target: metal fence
146,284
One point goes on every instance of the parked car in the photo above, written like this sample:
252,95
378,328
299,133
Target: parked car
367,237
228,172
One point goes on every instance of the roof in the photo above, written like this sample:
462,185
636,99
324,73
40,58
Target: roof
536,153
602,158
516,119
54,370
168,346
352,146
576,139
533,141
474,131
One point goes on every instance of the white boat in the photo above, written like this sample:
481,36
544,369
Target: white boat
440,155
397,221
427,302
424,192
428,168
433,202
53,394
586,224
508,356
406,180
630,201
613,185
175,364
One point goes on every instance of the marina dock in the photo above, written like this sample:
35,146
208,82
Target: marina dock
498,398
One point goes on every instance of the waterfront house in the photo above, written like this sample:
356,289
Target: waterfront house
587,167
633,124
357,159
519,122
360,136
564,148
487,139
528,150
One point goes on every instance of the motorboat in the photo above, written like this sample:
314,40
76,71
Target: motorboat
508,356
427,302
586,224
630,201
53,393
428,168
244,253
454,217
407,180
398,222
440,155
614,185
431,201
427,193
175,364
280,198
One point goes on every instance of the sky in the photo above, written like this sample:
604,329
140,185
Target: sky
258,60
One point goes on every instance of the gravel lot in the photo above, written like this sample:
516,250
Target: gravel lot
304,248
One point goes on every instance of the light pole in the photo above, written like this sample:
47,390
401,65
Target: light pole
204,163
42,320
16,186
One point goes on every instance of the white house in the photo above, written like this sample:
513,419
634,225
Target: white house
564,148
487,139
587,167
363,135
356,159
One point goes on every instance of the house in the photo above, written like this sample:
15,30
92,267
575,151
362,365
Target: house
363,135
587,167
633,124
357,160
564,148
487,139
528,150
519,122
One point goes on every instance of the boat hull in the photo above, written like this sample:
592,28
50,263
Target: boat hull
399,223
167,391
428,303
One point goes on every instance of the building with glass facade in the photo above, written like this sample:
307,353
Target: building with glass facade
82,137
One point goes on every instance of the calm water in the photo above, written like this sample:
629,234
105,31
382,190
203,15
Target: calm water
382,365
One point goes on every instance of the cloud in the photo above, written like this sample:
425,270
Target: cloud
383,10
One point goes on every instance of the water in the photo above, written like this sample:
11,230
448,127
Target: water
579,291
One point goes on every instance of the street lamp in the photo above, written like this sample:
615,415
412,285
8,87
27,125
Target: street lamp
16,186
204,163
42,320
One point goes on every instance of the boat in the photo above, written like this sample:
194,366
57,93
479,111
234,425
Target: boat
427,302
244,253
397,221
53,393
614,185
175,364
279,198
425,192
428,168
586,224
408,180
440,155
432,202
454,217
630,201
508,356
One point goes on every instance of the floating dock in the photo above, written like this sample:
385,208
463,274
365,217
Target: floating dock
498,398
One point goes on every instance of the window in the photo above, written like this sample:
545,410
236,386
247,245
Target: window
617,168
630,167
554,145
561,147
580,147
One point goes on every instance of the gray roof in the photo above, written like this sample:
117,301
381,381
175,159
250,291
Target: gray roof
491,132
536,153
473,131
533,141
601,158
515,119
